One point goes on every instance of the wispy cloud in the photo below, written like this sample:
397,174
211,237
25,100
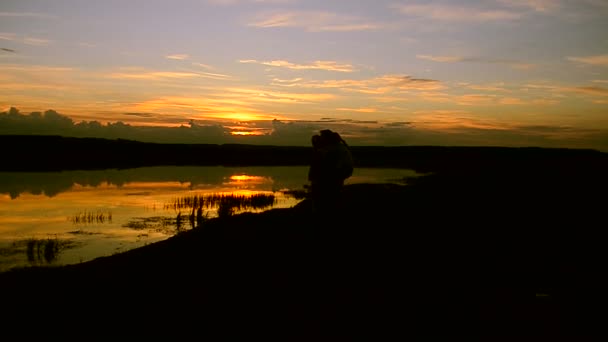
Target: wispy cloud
590,90
25,39
601,60
454,59
442,119
487,87
314,21
456,13
205,66
26,15
536,5
261,95
441,59
379,85
36,41
561,90
178,56
154,75
316,65
358,110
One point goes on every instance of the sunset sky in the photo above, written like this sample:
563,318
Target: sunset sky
380,72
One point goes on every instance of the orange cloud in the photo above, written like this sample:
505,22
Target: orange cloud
453,119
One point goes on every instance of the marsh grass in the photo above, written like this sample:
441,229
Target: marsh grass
235,202
89,217
225,204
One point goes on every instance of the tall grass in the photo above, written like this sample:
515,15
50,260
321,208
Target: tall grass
236,202
88,217
226,204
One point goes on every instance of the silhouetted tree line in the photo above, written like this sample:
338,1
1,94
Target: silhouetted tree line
54,153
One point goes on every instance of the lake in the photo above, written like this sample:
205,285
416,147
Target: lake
59,218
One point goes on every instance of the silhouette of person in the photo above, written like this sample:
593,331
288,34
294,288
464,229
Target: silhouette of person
330,166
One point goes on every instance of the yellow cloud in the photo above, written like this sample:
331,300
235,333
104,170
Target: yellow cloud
178,56
199,108
358,110
316,65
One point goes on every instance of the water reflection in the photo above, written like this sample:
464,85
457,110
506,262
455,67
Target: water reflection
117,210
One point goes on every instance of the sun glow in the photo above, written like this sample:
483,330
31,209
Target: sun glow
245,133
246,178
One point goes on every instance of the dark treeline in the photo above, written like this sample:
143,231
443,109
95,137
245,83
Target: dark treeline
54,153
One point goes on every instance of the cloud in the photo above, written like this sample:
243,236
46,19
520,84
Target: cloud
600,60
178,56
316,65
141,74
455,59
314,21
25,39
591,90
435,127
379,85
441,59
205,66
36,41
498,87
454,13
536,5
26,15
358,110
141,115
8,50
260,95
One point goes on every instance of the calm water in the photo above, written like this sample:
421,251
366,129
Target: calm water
56,218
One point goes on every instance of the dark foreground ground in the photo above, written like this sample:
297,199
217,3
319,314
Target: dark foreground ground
498,250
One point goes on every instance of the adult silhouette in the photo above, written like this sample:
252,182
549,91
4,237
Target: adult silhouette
331,165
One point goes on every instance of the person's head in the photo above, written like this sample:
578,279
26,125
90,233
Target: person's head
330,137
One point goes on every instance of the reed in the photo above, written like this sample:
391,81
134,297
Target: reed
233,201
89,217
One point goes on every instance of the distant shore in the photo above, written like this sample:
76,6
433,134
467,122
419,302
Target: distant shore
24,153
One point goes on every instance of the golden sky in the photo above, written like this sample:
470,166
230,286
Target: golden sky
498,72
